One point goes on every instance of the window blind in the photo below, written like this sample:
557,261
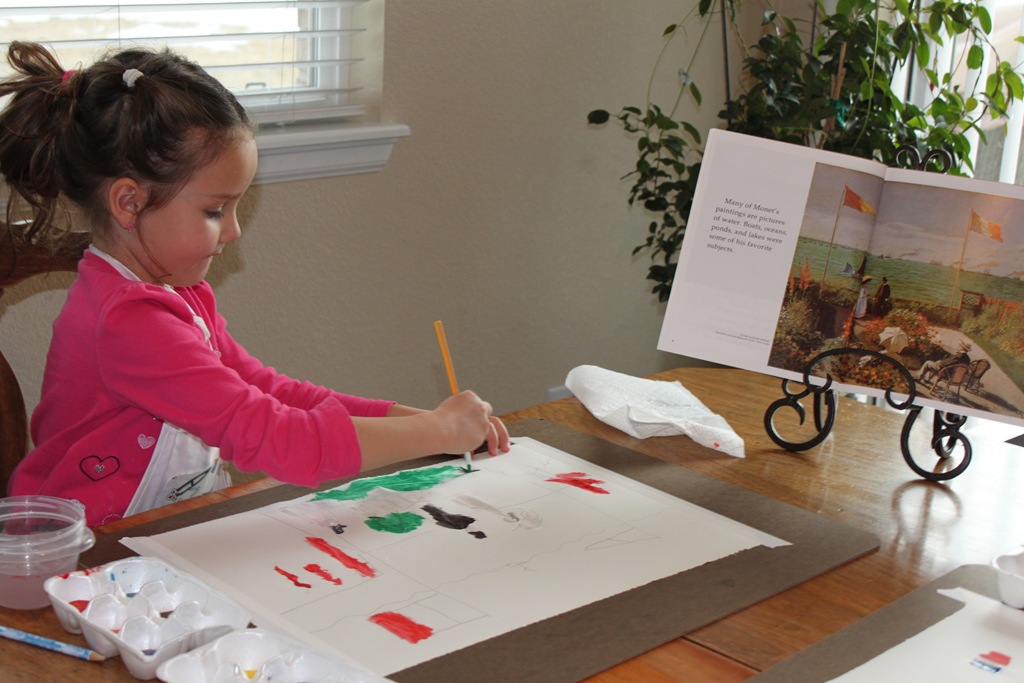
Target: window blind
286,60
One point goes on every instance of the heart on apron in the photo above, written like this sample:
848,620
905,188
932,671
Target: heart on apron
146,441
97,468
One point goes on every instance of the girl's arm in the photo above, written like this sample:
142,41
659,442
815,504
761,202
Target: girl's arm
291,392
461,423
157,362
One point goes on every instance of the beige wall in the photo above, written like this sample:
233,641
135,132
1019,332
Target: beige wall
503,215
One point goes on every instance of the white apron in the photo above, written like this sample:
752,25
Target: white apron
182,465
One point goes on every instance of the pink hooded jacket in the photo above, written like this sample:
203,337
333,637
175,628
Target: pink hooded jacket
128,355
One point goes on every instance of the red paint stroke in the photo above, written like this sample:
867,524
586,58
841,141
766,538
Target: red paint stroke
402,626
322,573
996,658
79,605
347,560
291,577
579,480
83,572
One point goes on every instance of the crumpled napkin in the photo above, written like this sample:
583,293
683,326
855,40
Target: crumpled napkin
645,407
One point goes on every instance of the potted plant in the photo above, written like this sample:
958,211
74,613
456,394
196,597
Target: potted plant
829,86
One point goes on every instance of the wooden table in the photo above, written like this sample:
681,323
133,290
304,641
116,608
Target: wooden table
857,477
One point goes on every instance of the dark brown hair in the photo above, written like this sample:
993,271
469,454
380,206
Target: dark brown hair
69,133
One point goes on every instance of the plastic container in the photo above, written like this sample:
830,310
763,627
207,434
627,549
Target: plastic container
40,537
1010,578
143,610
259,656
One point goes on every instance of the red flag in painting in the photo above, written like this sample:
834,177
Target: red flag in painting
986,228
854,201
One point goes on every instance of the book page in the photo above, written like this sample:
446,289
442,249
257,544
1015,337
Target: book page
741,240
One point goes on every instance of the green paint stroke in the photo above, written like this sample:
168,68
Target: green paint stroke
396,522
406,480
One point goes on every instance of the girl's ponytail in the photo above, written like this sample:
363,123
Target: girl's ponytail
33,128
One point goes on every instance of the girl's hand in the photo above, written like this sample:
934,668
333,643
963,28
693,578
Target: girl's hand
461,423
469,422
497,437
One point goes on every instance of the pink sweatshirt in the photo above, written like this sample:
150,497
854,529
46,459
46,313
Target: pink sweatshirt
127,356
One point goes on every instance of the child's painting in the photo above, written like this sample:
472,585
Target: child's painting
395,570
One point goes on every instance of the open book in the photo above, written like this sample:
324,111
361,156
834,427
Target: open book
792,251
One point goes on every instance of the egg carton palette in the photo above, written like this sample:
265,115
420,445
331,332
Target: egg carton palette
143,610
259,656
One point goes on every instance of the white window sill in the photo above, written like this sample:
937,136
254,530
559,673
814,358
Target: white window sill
318,151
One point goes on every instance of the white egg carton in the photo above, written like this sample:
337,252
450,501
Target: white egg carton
259,656
143,610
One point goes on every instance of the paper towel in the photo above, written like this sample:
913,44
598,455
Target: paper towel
643,408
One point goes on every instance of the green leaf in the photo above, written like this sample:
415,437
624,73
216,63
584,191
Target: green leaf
675,146
692,130
923,54
695,92
984,18
670,29
1014,83
666,123
598,116
992,83
975,57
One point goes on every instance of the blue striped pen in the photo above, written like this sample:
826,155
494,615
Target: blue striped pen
50,644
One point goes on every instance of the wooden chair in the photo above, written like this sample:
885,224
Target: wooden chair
978,368
950,379
20,260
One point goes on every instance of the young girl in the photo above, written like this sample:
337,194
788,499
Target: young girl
145,390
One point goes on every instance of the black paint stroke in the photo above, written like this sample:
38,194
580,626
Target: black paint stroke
448,520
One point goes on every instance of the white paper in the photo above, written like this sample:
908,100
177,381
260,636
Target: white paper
644,408
535,549
971,645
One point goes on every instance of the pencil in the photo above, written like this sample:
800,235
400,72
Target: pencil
452,382
50,644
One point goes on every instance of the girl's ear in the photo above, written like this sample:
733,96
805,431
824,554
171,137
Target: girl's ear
124,200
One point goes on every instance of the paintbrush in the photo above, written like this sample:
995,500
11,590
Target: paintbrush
452,382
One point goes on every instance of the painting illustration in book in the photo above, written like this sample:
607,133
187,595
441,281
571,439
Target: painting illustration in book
394,570
791,252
